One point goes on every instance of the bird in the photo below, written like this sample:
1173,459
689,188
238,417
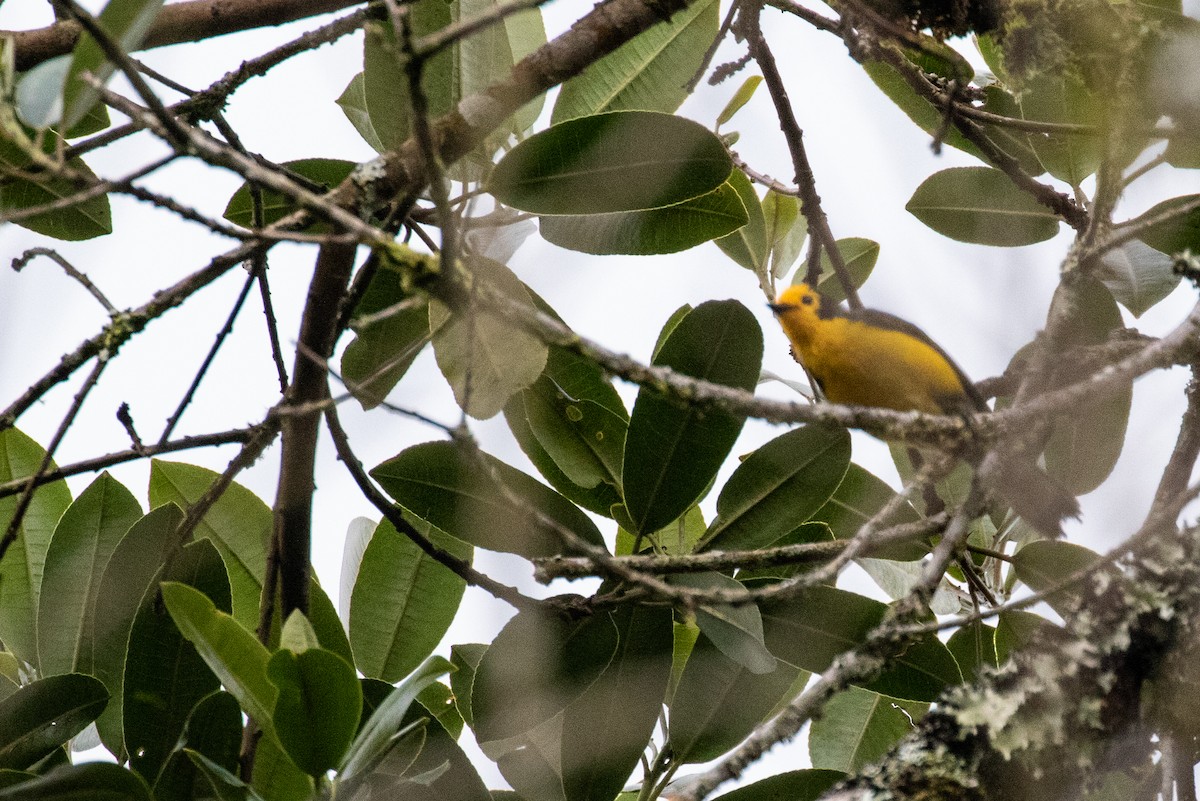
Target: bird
867,357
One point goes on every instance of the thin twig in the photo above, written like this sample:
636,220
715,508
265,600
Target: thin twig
19,262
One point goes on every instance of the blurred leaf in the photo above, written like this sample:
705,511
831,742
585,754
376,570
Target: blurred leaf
786,230
83,541
155,702
795,785
239,524
736,630
974,648
816,626
778,487
719,702
21,568
618,161
649,72
1181,232
229,650
673,452
1063,98
326,173
668,229
485,357
859,255
353,102
381,353
92,780
465,657
1019,629
857,499
980,205
538,664
317,707
926,115
740,98
747,245
1137,275
606,729
857,727
1043,564
41,716
403,602
456,492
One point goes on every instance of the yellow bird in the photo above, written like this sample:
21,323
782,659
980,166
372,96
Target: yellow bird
867,357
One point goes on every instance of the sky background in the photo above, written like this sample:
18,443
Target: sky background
981,304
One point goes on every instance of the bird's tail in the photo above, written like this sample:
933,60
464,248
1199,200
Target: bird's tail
1035,496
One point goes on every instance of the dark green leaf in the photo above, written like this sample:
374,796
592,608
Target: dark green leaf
857,499
226,786
213,730
403,602
538,664
1018,629
323,616
95,781
325,173
673,451
83,541
455,490
438,700
795,785
813,628
465,658
44,714
156,703
606,729
21,568
736,630
1179,233
748,245
317,707
974,648
857,727
648,72
980,205
778,487
619,161
381,353
84,220
668,229
276,777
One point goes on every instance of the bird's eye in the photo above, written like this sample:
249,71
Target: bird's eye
807,300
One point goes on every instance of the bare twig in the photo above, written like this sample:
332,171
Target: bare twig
19,262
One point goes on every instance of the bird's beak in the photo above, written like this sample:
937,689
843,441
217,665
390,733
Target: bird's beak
780,308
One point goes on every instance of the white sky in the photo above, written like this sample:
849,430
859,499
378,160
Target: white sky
980,303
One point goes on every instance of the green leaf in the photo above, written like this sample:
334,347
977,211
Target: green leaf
1042,564
672,452
326,173
669,229
276,777
130,571
229,650
1137,275
795,785
99,781
465,657
353,102
677,537
36,187
1084,446
1061,97
438,700
974,648
382,351
619,161
649,72
740,98
127,22
926,115
41,716
778,487
786,230
538,664
155,702
718,702
226,786
859,256
83,541
239,524
736,630
747,245
323,616
816,626
857,499
403,602
605,730
1179,233
455,490
1019,629
317,706
214,732
980,205
857,727
377,735
21,568
485,357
